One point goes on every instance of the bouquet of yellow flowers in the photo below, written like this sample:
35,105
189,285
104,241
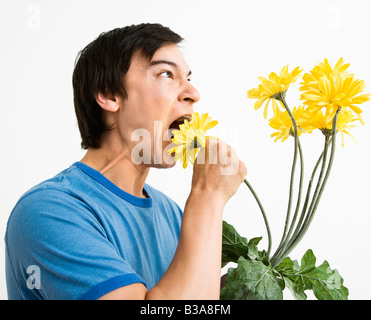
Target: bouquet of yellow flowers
330,104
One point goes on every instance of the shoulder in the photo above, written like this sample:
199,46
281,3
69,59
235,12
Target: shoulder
52,204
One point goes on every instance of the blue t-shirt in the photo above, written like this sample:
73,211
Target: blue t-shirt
79,236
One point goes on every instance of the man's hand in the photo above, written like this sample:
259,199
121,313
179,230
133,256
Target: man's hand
218,169
195,270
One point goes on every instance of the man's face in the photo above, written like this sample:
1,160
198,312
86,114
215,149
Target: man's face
159,93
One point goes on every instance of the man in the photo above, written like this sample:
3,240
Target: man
97,230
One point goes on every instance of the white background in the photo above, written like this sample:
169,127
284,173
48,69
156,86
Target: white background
229,44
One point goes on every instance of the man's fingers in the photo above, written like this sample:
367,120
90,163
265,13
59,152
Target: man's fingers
243,170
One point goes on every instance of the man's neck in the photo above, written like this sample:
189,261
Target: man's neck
117,167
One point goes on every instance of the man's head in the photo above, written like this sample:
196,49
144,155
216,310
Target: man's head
104,83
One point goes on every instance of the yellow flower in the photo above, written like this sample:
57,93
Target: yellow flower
331,88
317,120
281,121
322,69
191,137
274,88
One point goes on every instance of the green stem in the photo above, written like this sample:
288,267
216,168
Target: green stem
316,199
287,239
264,216
304,213
296,147
283,253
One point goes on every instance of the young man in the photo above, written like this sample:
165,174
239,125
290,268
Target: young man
97,230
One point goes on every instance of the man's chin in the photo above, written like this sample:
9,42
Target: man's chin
164,165
164,160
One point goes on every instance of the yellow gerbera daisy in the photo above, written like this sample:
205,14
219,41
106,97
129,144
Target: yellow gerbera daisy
331,88
281,121
317,120
274,88
323,69
191,137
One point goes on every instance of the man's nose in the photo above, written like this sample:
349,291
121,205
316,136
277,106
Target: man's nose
189,93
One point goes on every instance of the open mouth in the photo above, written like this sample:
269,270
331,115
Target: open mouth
176,124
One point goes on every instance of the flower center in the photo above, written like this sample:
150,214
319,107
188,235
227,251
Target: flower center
196,143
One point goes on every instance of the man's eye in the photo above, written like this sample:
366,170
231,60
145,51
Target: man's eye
166,74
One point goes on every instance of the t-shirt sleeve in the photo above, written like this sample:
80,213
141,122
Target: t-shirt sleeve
61,236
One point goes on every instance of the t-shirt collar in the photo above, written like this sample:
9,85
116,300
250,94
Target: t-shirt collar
97,176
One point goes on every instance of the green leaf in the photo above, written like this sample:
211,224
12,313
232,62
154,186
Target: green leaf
286,267
254,253
298,295
251,280
326,284
233,245
255,241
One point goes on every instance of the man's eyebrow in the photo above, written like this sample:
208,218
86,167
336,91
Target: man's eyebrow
171,63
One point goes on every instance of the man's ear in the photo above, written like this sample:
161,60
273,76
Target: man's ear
107,102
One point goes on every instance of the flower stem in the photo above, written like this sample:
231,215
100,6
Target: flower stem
296,148
287,239
284,252
264,216
322,158
317,197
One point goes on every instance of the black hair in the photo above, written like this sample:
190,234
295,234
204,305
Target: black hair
101,67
